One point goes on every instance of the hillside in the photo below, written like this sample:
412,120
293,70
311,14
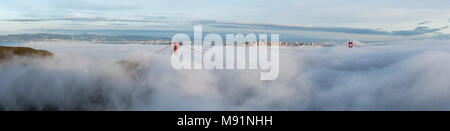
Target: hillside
9,52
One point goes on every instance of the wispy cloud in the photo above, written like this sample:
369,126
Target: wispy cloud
417,31
81,19
425,22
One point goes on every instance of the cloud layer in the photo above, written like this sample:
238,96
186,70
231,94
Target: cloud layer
421,30
403,75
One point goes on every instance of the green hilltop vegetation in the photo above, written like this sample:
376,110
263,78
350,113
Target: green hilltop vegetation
9,52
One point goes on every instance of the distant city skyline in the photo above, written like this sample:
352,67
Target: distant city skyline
382,20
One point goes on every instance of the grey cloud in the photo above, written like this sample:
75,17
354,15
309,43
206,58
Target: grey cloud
83,19
89,12
425,22
150,16
418,31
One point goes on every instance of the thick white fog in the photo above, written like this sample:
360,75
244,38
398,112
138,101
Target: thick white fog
403,75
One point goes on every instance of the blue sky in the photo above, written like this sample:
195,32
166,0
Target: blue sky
379,20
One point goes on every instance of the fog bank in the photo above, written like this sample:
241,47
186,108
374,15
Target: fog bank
402,75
